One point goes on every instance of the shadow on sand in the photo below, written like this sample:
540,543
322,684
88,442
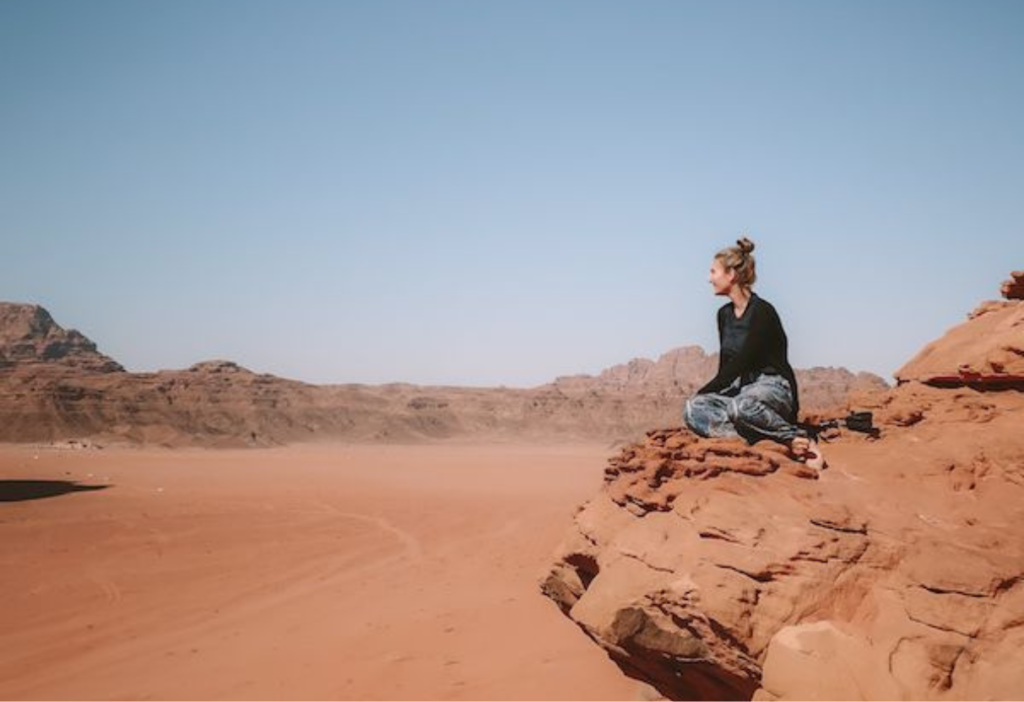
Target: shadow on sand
19,490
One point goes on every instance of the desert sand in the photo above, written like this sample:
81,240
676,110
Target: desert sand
309,572
413,567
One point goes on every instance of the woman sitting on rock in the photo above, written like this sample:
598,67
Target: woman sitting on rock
754,395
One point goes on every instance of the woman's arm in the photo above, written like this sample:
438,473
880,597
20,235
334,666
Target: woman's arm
722,311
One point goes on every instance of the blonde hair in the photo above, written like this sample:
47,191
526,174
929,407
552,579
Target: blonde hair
740,258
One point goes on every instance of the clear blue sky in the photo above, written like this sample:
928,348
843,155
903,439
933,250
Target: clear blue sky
485,193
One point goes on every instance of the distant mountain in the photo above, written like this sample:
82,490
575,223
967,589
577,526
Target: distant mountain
685,369
28,334
55,385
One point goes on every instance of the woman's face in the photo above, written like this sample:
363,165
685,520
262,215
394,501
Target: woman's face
721,279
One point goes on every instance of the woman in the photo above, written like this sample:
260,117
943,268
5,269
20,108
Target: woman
754,395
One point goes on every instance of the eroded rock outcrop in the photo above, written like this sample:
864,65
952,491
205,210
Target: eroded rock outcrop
1013,289
716,570
28,335
985,351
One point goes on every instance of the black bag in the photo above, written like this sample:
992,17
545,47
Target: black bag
861,421
855,421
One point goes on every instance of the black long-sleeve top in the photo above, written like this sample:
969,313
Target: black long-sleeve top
763,348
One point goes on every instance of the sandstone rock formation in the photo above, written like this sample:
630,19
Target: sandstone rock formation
716,570
28,335
681,368
985,351
1013,289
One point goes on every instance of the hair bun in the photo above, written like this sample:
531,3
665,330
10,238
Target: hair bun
745,245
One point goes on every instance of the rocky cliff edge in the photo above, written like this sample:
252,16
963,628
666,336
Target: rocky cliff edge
716,570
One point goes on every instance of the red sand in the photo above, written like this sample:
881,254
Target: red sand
366,572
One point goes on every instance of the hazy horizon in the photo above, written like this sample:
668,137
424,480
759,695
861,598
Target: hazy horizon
486,194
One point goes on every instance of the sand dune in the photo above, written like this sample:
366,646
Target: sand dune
371,572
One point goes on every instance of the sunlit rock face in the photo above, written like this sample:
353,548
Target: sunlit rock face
986,351
716,570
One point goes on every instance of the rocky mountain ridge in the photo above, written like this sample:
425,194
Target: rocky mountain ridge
56,386
28,335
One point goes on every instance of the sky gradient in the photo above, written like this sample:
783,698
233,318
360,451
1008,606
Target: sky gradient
499,193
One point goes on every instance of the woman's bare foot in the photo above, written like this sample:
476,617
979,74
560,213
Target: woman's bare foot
808,452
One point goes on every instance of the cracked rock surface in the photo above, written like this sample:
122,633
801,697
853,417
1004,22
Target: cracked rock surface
717,570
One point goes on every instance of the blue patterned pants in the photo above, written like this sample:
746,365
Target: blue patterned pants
754,411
